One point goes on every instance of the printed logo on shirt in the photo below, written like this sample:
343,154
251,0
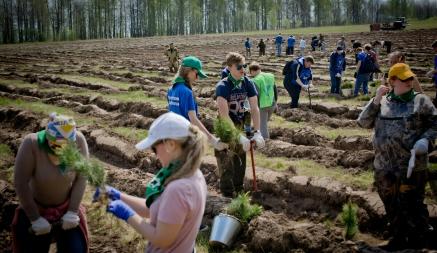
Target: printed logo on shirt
236,102
173,100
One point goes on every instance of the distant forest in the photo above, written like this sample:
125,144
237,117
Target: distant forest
56,20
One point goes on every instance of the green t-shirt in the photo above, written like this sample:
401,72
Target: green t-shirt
265,85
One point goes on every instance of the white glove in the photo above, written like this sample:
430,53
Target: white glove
429,73
70,220
217,144
244,142
421,146
41,226
258,139
305,87
338,75
411,163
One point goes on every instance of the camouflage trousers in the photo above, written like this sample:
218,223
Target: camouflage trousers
403,200
173,65
232,167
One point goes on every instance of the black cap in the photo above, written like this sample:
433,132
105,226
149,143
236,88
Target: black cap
434,44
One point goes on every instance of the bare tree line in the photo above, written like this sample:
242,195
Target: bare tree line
41,20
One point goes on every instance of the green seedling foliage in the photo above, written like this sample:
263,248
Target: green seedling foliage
242,209
74,160
349,219
227,132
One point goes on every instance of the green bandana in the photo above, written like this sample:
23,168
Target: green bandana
44,145
155,187
404,98
234,81
178,79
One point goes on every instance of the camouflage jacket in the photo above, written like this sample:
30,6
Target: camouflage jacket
173,55
397,128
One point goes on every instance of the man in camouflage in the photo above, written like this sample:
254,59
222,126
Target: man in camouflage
405,125
173,58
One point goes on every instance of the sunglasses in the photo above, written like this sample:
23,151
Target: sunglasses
240,66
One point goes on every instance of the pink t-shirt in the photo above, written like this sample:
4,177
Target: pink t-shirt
182,202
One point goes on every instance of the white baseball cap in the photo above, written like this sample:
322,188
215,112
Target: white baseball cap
167,126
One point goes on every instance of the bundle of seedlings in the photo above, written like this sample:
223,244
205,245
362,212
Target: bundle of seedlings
242,209
349,219
227,132
92,170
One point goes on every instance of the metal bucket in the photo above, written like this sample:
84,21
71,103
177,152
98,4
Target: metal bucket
225,229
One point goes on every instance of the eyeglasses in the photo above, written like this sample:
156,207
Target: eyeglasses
240,66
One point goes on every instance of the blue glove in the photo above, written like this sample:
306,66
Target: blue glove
120,209
112,193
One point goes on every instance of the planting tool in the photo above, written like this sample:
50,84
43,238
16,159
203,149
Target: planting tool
309,96
255,188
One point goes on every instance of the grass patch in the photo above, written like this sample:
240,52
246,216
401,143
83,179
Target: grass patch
332,133
136,96
311,168
46,109
5,151
277,121
202,245
17,83
133,134
97,80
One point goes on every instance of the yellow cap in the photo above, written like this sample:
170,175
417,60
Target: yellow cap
401,70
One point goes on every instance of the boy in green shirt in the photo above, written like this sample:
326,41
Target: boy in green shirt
267,95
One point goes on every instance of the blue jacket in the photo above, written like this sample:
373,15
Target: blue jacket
247,44
279,39
296,69
337,63
291,41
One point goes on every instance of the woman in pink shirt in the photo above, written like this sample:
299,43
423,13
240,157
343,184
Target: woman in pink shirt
176,196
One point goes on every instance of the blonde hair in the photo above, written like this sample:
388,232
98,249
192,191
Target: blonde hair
234,58
193,149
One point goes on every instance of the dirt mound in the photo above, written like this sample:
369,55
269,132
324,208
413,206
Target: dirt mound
300,115
276,233
301,136
353,143
18,119
8,204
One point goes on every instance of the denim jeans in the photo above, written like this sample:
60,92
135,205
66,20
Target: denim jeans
71,240
335,83
362,79
278,49
294,92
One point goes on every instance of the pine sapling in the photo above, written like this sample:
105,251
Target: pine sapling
242,209
227,132
349,219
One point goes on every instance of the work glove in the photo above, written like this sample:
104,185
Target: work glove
338,75
421,146
244,142
355,75
41,226
258,139
70,220
120,209
217,144
305,87
110,192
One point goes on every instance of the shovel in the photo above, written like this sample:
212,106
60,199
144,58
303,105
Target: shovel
309,96
254,185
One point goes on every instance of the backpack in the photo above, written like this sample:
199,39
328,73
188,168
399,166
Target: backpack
368,65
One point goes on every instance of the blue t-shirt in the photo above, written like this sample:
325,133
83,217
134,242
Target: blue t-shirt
435,67
291,41
181,100
236,95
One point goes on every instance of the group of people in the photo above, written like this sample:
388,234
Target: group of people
50,196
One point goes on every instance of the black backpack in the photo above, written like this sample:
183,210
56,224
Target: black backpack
368,65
